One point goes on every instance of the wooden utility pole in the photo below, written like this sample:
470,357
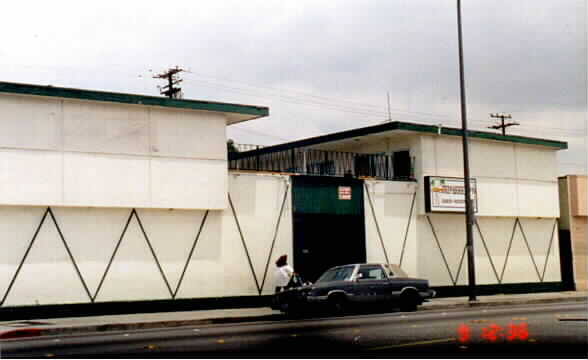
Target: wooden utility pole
502,125
170,90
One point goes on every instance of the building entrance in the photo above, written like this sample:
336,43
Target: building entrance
328,223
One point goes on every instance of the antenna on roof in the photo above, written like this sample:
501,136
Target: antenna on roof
389,115
170,90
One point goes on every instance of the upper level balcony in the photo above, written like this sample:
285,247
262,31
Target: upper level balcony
305,161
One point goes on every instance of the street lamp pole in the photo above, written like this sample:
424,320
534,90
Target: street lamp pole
466,168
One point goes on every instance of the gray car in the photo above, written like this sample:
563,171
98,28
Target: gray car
358,285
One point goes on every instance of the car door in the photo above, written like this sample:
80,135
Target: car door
380,283
371,283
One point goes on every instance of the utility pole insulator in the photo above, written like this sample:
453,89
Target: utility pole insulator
502,125
170,90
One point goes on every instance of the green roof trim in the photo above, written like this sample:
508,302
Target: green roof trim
484,135
93,95
399,125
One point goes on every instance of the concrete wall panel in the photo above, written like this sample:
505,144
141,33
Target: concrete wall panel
30,123
206,275
259,220
105,180
47,275
391,205
538,199
101,128
92,235
492,159
83,153
497,197
449,157
30,177
172,234
426,161
185,134
133,274
497,233
17,228
513,180
536,163
539,234
189,184
219,265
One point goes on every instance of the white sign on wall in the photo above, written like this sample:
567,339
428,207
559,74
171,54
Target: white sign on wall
344,192
444,194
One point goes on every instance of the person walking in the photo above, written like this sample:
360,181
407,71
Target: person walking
283,273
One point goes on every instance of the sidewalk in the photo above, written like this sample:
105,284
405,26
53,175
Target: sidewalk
69,326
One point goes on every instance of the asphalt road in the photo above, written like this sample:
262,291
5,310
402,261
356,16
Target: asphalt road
546,330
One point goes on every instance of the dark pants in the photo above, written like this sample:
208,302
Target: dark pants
279,288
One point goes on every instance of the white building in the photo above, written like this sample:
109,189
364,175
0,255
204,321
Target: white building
516,238
103,194
110,197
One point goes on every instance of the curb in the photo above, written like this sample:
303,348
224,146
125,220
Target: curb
22,333
505,302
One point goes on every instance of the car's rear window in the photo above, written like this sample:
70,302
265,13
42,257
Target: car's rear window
337,274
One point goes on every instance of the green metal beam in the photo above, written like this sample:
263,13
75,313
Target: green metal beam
93,95
396,126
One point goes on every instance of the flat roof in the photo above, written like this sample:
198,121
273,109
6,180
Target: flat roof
405,126
235,112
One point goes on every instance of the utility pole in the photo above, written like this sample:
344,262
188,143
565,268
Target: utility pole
466,167
502,125
170,90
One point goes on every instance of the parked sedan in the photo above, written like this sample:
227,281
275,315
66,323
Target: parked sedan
346,286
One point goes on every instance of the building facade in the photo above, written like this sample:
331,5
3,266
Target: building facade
516,242
109,197
103,195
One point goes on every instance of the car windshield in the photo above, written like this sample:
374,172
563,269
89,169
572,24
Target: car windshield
337,274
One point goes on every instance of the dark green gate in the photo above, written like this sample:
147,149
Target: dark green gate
328,221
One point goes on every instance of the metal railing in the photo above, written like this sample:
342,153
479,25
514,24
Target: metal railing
247,147
324,163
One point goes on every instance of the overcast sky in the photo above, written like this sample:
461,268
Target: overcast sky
322,66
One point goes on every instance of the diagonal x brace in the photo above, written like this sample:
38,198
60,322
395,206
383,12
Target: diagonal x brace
244,245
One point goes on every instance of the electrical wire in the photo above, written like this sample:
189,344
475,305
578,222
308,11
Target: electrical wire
373,112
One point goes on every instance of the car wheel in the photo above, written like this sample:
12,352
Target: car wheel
338,304
409,301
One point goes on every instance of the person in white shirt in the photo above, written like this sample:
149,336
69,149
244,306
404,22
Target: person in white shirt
283,273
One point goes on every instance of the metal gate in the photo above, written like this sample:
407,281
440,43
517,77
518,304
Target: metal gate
328,223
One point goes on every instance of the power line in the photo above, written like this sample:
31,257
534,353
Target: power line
337,105
324,98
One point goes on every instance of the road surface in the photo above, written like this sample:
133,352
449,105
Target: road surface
554,330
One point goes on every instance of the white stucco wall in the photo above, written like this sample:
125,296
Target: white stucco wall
63,152
513,180
218,267
391,206
497,233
